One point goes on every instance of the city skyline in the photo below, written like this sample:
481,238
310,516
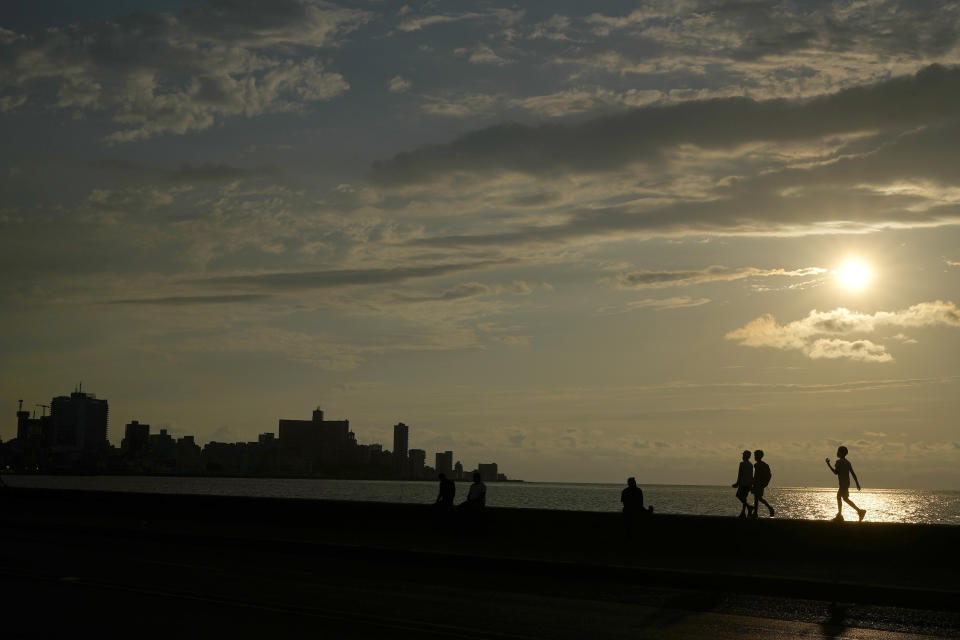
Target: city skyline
74,437
587,241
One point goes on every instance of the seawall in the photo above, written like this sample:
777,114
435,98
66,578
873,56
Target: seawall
891,563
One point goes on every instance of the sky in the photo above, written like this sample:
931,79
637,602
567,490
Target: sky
583,240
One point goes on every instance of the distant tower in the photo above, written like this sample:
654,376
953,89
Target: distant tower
458,470
401,434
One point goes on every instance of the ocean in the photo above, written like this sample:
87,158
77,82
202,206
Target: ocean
800,503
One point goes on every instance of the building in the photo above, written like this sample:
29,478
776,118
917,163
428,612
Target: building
401,435
488,472
418,459
445,463
79,423
33,429
187,456
31,448
163,451
458,471
313,446
136,438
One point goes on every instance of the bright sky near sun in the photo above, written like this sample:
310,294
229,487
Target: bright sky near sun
584,240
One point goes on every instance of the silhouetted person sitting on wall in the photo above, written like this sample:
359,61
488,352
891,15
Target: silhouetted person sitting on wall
448,489
472,508
843,471
477,496
744,482
632,499
761,478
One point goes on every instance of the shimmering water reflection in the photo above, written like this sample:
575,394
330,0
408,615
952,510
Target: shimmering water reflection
802,503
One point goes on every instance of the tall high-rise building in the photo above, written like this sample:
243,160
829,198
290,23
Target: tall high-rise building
445,463
79,422
401,436
458,471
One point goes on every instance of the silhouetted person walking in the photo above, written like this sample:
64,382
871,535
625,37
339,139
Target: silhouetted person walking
448,489
761,478
744,482
632,499
843,471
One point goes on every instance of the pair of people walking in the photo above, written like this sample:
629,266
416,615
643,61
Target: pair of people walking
752,479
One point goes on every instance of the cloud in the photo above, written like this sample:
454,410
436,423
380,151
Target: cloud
643,134
573,101
191,300
680,302
9,103
181,73
859,160
467,290
516,439
504,17
461,106
399,84
834,348
660,279
483,54
304,280
554,28
813,335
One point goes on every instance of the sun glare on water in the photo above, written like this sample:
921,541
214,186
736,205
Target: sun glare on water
854,275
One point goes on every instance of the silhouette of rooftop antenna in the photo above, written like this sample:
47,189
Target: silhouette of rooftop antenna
43,411
20,406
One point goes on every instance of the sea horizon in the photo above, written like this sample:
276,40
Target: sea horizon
926,506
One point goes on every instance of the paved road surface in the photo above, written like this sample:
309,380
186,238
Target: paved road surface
68,582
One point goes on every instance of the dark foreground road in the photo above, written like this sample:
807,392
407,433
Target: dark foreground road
75,583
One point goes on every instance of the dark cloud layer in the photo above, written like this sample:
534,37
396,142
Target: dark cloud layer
191,300
641,134
301,280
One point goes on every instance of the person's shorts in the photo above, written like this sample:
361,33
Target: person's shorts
742,493
757,491
844,492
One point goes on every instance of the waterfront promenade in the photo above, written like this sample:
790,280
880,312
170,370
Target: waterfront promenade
345,566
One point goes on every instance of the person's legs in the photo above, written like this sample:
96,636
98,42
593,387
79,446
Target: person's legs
860,512
767,504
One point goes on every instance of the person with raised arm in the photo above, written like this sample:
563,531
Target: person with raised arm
843,470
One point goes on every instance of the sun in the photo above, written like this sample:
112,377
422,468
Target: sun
854,275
